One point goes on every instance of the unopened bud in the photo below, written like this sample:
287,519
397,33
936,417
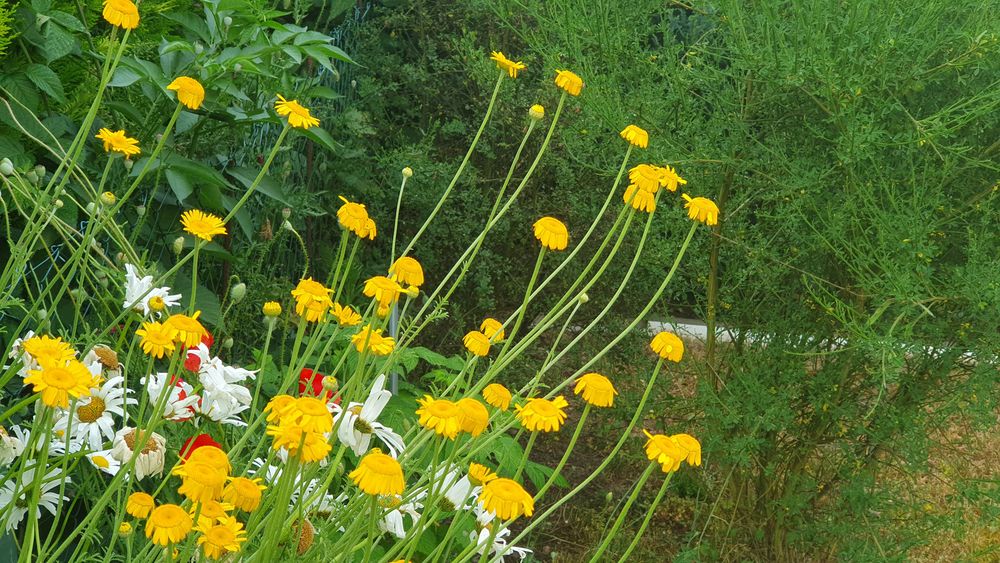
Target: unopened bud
178,245
583,298
140,210
125,529
227,21
271,309
536,112
120,257
58,203
6,167
609,497
198,48
40,171
412,291
91,208
286,212
41,314
78,294
227,343
331,384
354,83
31,177
102,279
237,67
128,163
238,292
108,199
287,226
407,172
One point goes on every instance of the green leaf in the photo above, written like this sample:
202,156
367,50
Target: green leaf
179,183
126,109
46,80
507,453
242,216
454,363
124,76
319,136
267,186
58,43
67,21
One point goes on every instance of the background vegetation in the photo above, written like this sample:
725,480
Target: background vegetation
852,148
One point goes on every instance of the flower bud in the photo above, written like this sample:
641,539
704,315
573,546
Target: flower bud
91,208
58,203
108,199
286,212
609,497
583,298
198,48
237,67
78,294
128,163
537,112
6,167
125,529
31,177
238,292
140,210
354,84
287,226
178,245
227,343
227,21
271,309
41,314
102,279
331,384
407,172
40,171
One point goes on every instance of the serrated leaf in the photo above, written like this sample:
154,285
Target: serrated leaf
58,42
68,21
47,81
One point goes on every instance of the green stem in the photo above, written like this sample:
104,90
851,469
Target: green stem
621,515
645,521
569,449
524,456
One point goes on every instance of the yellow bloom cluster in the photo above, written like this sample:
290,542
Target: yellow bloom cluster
312,300
302,426
378,474
670,451
159,339
373,341
354,217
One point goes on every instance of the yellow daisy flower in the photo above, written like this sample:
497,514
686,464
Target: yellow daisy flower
244,493
220,538
188,330
121,13
58,381
312,300
168,524
212,456
702,209
569,82
140,505
201,482
536,112
647,177
493,329
310,446
507,499
209,511
670,179
345,315
636,136
407,270
668,346
479,475
202,225
383,290
116,141
498,396
692,445
298,116
477,343
505,64
542,415
190,92
43,347
440,415
378,474
279,407
376,343
552,233
474,418
354,217
596,389
640,200
312,414
665,451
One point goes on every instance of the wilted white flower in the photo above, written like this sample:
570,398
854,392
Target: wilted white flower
142,296
149,460
15,497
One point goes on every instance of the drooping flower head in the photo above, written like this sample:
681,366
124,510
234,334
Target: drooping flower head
552,233
298,116
189,331
498,396
378,474
702,209
385,291
670,179
477,343
407,270
542,415
596,389
202,225
636,136
58,381
190,92
244,493
298,441
116,141
168,524
479,474
195,443
440,415
665,451
691,444
505,64
201,482
569,82
121,13
220,537
312,299
668,346
474,417
639,199
140,505
493,329
345,315
354,217
373,341
150,456
507,499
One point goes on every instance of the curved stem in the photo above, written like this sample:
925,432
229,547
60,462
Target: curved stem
645,521
621,515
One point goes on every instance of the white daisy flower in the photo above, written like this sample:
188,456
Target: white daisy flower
149,461
359,422
15,497
182,402
57,441
105,462
500,549
459,492
393,521
92,421
143,297
222,399
10,447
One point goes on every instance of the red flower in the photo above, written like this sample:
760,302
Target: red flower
193,363
195,442
181,395
314,380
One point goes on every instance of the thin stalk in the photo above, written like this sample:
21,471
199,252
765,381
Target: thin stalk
621,515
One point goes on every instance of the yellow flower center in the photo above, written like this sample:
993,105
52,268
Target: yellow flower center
107,356
91,411
167,516
380,463
442,408
544,408
129,438
156,303
59,377
100,461
506,490
220,536
311,406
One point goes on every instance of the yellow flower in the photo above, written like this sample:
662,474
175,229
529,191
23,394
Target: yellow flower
279,407
298,116
474,417
116,141
503,63
312,299
354,217
189,331
636,136
701,209
140,505
596,389
202,225
493,329
440,415
665,451
640,199
271,309
124,529
692,445
407,270
569,82
477,343
670,179
42,347
536,112
190,92
552,233
167,524
121,13
542,415
210,511
311,446
479,475
221,537
668,346
244,493
374,341
507,499
212,456
312,414
345,315
201,482
58,381
647,177
497,395
378,474
383,290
